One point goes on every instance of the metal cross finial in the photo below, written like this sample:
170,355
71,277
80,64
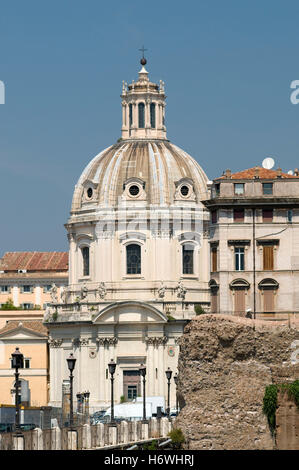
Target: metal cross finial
143,50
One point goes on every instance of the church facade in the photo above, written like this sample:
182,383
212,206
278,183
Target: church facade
138,258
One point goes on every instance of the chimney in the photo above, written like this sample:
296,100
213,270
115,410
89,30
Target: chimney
279,172
256,172
228,173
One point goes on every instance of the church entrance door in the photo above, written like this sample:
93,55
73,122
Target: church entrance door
132,387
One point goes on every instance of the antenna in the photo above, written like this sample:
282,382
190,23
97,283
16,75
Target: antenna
268,163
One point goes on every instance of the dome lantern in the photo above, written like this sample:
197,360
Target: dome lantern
143,108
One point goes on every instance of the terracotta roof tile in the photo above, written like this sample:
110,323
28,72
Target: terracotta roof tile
262,173
34,261
36,326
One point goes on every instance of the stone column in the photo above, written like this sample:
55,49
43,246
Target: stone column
150,367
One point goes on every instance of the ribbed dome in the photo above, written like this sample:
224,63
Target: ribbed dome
156,166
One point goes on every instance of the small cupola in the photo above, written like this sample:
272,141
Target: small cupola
143,108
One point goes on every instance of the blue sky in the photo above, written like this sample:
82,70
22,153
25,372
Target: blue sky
227,66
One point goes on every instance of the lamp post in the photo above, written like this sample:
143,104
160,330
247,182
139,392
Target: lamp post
175,378
71,361
142,370
112,367
168,373
17,363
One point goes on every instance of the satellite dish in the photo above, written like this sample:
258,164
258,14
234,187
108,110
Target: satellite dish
268,163
290,172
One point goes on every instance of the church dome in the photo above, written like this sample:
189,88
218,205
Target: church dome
143,165
154,171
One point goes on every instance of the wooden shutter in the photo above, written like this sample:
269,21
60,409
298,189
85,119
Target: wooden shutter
214,260
268,295
267,215
268,258
239,302
238,215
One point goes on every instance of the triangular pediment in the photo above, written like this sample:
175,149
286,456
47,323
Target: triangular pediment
21,333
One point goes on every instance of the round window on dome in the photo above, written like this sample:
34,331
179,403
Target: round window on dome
134,190
185,190
89,193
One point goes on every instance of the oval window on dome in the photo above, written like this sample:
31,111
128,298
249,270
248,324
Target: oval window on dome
134,190
185,190
89,193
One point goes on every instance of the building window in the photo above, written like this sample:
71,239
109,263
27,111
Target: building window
267,188
133,259
153,115
132,392
214,259
290,215
141,115
267,215
47,288
4,289
239,259
187,252
239,188
238,215
26,363
217,189
27,306
27,289
268,257
214,217
85,256
130,114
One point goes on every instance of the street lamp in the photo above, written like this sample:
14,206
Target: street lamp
17,363
168,373
176,378
71,361
112,367
142,370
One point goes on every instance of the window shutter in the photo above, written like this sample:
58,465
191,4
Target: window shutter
267,215
238,215
214,260
268,300
239,301
268,258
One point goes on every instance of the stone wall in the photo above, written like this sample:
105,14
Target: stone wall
225,363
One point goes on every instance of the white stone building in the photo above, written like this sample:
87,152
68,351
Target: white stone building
254,240
138,258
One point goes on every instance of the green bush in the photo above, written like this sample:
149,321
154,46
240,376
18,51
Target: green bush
122,399
177,437
270,405
9,305
152,446
198,309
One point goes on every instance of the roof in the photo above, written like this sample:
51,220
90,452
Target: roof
159,164
35,326
257,171
34,261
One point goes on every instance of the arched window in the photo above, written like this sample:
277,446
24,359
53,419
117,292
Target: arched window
130,114
85,257
187,252
133,259
153,115
141,115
